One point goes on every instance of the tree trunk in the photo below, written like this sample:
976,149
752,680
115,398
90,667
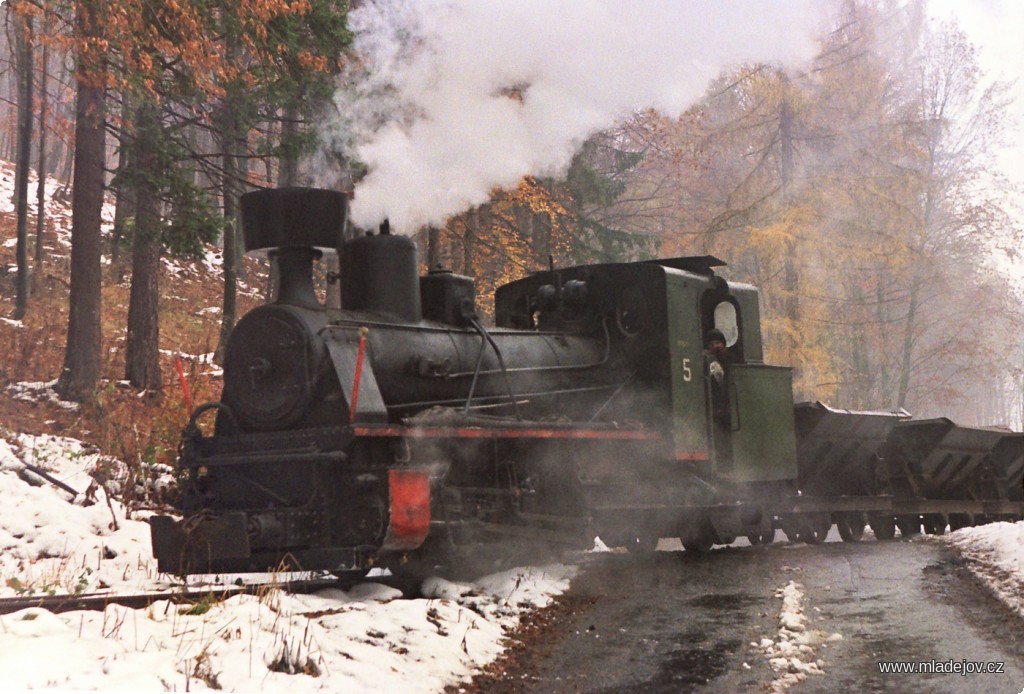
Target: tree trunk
288,173
469,242
124,202
81,368
142,351
882,319
228,128
230,308
24,40
791,273
907,352
230,252
41,168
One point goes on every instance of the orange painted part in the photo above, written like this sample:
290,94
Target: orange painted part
359,376
692,455
410,508
184,383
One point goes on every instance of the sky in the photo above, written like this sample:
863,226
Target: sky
996,27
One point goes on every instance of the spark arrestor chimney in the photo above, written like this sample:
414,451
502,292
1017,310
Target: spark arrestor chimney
293,225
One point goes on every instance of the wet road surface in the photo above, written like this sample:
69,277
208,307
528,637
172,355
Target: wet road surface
675,623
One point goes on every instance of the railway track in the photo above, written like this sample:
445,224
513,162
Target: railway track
100,601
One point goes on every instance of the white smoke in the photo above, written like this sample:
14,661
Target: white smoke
432,113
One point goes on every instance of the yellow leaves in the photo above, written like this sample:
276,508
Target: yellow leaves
777,239
774,237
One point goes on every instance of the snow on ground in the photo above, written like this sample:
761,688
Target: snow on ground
57,204
995,554
793,654
60,533
64,535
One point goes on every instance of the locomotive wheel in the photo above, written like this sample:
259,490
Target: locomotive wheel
935,524
850,526
883,526
909,525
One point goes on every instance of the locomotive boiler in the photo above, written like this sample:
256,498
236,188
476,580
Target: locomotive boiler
362,434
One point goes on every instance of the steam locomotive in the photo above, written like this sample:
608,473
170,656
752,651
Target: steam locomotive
363,431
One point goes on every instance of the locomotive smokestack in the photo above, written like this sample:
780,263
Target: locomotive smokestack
291,224
296,271
290,217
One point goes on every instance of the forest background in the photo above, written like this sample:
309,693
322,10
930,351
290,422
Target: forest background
859,192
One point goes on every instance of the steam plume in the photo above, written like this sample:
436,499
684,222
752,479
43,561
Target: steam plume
458,96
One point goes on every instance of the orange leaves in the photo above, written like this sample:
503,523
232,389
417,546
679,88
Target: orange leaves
309,61
209,45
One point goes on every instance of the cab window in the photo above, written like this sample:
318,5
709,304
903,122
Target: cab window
727,321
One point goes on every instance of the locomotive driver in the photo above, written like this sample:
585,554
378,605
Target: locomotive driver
718,359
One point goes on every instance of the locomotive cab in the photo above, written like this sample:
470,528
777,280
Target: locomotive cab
755,443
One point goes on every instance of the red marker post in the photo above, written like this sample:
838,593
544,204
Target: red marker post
359,373
184,384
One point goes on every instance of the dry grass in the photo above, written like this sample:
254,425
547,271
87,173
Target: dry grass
142,429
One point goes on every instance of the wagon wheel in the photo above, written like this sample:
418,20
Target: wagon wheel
791,527
698,545
761,538
882,525
643,543
909,525
698,539
850,526
960,520
935,524
815,528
